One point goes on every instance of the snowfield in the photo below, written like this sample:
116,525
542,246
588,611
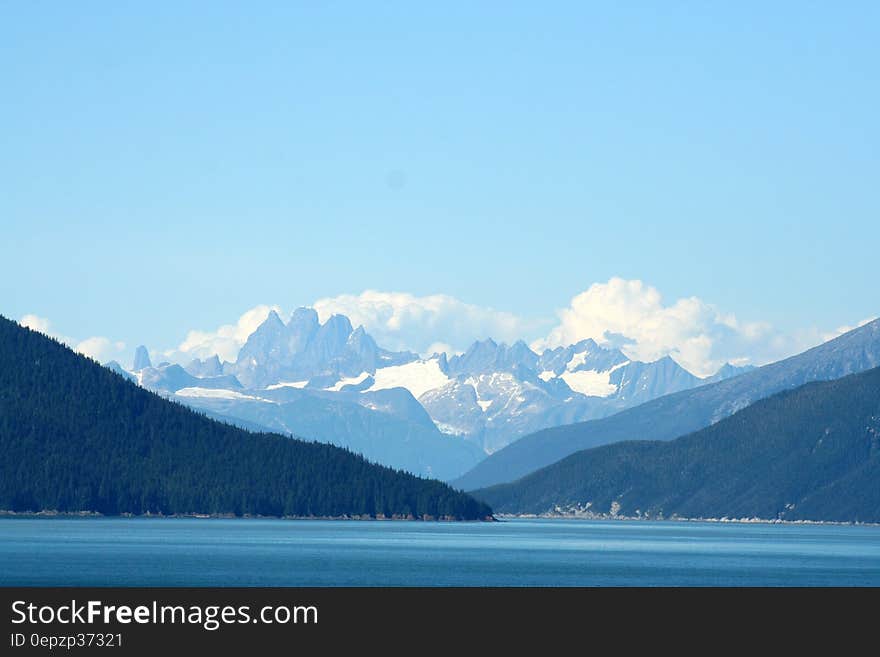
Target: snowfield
351,381
288,384
217,393
418,377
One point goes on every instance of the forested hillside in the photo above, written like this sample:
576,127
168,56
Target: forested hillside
75,436
812,453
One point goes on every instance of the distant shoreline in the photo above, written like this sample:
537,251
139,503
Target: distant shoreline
498,517
5,513
722,520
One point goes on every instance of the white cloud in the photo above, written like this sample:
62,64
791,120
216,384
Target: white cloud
625,313
44,326
101,349
36,323
399,320
441,348
701,338
225,341
628,314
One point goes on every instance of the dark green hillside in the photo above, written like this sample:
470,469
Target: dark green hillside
75,436
811,453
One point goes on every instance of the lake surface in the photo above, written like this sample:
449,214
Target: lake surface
255,552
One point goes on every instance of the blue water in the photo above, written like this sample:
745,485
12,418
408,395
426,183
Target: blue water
249,552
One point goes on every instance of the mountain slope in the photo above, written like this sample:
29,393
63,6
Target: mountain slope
677,414
333,418
75,436
812,453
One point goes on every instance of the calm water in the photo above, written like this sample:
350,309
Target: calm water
215,552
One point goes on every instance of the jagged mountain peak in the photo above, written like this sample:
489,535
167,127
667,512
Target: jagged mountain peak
339,324
301,327
586,355
305,349
362,343
208,367
487,345
304,314
141,358
521,348
272,325
485,356
587,344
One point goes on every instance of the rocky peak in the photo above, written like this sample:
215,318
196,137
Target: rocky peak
141,358
208,367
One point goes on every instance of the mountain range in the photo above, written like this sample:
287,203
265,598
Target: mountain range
437,416
473,412
812,453
681,413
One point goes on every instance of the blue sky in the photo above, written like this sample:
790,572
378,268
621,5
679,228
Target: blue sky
168,166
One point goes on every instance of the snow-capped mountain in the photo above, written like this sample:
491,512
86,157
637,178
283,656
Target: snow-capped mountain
498,393
436,415
303,349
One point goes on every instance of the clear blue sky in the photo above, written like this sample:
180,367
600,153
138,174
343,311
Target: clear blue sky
168,165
